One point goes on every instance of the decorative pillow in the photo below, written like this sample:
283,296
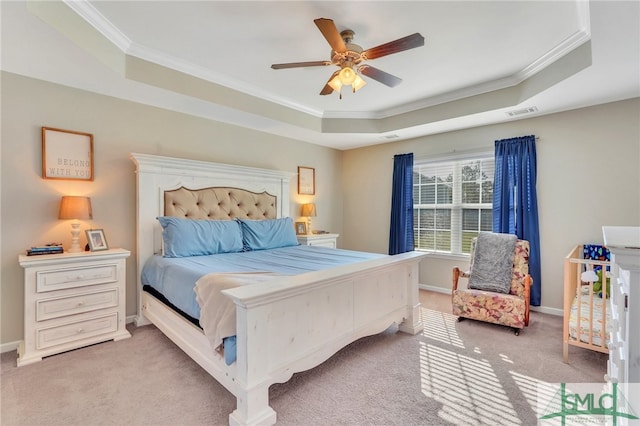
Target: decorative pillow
267,234
188,237
596,252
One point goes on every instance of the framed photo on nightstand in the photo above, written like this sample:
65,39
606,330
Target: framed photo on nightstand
96,239
301,228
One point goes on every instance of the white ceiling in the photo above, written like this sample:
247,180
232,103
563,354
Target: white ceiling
480,60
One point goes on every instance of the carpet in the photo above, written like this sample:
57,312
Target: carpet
462,373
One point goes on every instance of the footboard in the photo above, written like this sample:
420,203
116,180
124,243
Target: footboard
298,322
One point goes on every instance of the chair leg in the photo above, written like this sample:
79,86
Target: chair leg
516,331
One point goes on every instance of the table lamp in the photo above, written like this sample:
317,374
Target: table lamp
75,209
309,210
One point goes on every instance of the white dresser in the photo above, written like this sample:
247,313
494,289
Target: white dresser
323,240
624,344
72,300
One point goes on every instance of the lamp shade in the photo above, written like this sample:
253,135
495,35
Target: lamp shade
75,208
358,83
308,210
335,83
347,76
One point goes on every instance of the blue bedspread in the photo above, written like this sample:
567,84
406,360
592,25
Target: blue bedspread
175,278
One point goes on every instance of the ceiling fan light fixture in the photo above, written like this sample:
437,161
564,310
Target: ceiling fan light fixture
347,75
358,83
335,83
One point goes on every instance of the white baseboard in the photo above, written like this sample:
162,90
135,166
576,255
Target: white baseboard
8,347
434,288
548,310
541,309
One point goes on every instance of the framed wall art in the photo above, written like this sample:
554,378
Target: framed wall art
306,180
96,239
67,154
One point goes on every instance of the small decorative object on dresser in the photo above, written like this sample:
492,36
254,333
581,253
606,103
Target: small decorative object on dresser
72,300
323,240
96,239
53,248
301,228
624,345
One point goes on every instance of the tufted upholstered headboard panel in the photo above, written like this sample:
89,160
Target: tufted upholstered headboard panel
220,203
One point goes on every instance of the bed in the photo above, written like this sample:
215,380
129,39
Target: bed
587,315
293,322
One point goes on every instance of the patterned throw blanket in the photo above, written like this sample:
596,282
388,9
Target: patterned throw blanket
492,263
217,311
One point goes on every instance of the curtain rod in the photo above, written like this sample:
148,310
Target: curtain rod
455,153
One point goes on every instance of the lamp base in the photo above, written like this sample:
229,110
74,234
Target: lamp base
309,226
75,238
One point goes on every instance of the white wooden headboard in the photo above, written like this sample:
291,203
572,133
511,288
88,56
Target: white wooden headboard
157,174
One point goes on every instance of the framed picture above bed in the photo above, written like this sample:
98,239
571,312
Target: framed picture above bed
306,180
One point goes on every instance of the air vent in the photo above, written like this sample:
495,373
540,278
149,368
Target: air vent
517,112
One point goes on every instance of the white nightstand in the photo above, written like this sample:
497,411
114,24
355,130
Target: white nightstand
72,300
324,240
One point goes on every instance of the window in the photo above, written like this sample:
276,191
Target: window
452,202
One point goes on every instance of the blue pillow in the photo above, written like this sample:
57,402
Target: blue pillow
267,234
188,237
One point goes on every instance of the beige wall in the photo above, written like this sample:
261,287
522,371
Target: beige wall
588,163
588,176
30,203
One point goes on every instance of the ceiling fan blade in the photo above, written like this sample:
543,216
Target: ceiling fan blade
327,90
330,32
379,75
300,64
409,42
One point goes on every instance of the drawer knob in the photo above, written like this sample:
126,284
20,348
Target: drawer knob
80,303
80,330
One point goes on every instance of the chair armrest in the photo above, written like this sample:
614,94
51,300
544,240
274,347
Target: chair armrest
528,282
457,273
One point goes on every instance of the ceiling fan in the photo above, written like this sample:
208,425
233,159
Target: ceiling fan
350,57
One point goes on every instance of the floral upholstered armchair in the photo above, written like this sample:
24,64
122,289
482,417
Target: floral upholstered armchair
509,307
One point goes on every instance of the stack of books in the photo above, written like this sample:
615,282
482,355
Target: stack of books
48,249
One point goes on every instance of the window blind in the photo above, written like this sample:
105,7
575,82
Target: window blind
453,201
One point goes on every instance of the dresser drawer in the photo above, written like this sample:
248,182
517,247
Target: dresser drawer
70,332
57,279
62,306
